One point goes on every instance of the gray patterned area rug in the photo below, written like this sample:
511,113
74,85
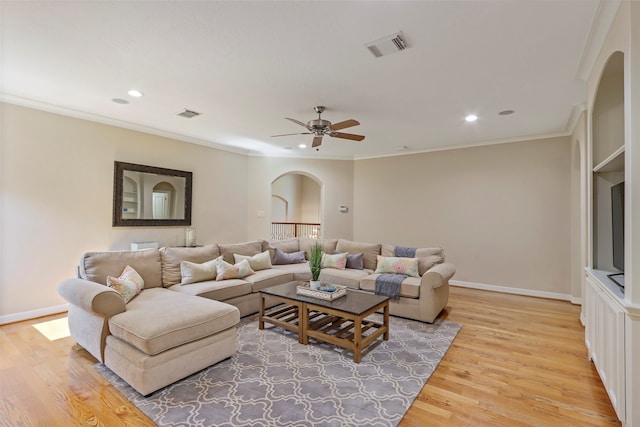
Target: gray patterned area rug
273,380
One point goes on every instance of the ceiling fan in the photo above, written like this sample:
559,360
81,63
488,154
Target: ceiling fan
319,128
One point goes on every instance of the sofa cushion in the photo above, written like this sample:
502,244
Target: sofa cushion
328,245
370,251
398,265
355,261
129,284
300,271
232,271
409,288
96,266
246,248
193,272
288,246
212,289
348,277
266,278
338,261
261,261
160,319
427,257
173,256
283,258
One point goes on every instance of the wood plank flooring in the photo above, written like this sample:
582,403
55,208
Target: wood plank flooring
518,361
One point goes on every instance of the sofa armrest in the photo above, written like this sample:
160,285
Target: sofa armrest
438,275
92,296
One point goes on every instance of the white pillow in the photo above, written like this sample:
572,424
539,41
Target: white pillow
338,260
261,261
193,272
129,284
236,271
398,265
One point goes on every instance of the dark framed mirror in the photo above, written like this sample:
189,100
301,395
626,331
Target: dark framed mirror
150,196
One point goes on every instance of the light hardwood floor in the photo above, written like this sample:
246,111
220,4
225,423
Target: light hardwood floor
518,361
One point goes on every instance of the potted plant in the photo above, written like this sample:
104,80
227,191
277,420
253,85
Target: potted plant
315,263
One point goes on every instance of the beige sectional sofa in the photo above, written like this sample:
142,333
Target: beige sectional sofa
172,329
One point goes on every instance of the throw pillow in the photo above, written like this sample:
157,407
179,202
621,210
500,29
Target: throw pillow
338,261
282,258
397,265
236,271
193,272
129,284
370,251
354,261
261,261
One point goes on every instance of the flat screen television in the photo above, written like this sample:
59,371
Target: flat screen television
617,231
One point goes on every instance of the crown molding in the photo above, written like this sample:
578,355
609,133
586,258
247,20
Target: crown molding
473,145
602,21
96,118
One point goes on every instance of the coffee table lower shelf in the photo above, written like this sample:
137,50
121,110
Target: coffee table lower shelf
353,332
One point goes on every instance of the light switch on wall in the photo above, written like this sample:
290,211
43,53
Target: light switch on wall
343,208
260,214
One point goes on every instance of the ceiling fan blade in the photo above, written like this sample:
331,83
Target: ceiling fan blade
289,134
350,136
317,140
297,122
344,124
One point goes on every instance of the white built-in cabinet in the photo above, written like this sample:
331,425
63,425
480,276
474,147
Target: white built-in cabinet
605,310
605,337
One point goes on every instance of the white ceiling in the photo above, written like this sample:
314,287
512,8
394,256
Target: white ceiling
246,65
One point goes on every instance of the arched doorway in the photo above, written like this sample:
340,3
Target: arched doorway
163,200
295,206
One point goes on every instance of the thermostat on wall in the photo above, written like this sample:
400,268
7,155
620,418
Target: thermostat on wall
343,208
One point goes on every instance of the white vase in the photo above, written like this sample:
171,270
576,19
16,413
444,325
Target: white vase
314,284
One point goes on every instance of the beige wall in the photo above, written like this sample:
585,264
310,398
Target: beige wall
310,200
501,212
336,181
578,205
56,198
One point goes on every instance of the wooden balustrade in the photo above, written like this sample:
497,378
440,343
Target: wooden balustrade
289,230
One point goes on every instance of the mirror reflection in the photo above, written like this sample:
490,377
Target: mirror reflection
147,195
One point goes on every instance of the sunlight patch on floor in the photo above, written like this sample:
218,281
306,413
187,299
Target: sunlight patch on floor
54,329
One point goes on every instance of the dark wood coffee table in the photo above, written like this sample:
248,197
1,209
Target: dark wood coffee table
341,322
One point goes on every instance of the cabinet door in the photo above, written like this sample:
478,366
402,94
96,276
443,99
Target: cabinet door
614,348
604,338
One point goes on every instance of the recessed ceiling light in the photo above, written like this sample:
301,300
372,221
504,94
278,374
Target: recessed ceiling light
135,93
506,112
302,145
471,118
120,101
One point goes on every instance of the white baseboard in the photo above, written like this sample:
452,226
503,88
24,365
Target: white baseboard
33,314
516,291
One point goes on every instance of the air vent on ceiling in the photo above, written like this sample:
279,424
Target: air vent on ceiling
189,114
387,45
